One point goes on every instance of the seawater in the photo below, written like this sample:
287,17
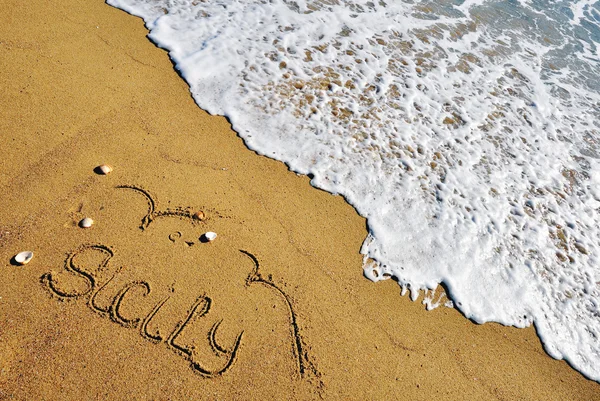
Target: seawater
466,132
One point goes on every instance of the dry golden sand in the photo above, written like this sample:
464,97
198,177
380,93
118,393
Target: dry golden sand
82,86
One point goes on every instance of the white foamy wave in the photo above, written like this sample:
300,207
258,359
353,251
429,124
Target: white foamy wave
466,133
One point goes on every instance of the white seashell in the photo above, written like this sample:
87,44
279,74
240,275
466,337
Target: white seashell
24,257
103,169
86,223
210,236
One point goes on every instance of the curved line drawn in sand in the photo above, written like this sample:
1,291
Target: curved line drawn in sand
217,349
204,303
92,301
200,308
72,267
147,219
156,338
115,312
303,362
153,213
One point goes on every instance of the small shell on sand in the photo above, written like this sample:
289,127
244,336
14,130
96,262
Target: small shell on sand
209,236
24,257
103,169
199,215
86,223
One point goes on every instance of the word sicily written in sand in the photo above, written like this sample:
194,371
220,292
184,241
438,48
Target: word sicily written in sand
87,285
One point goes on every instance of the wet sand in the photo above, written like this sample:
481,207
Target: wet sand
138,307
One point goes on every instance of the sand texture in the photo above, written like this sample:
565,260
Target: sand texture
138,307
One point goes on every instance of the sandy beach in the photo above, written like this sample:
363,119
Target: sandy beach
140,306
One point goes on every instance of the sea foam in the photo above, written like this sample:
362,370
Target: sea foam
467,133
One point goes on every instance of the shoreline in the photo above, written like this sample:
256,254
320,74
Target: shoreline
84,86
